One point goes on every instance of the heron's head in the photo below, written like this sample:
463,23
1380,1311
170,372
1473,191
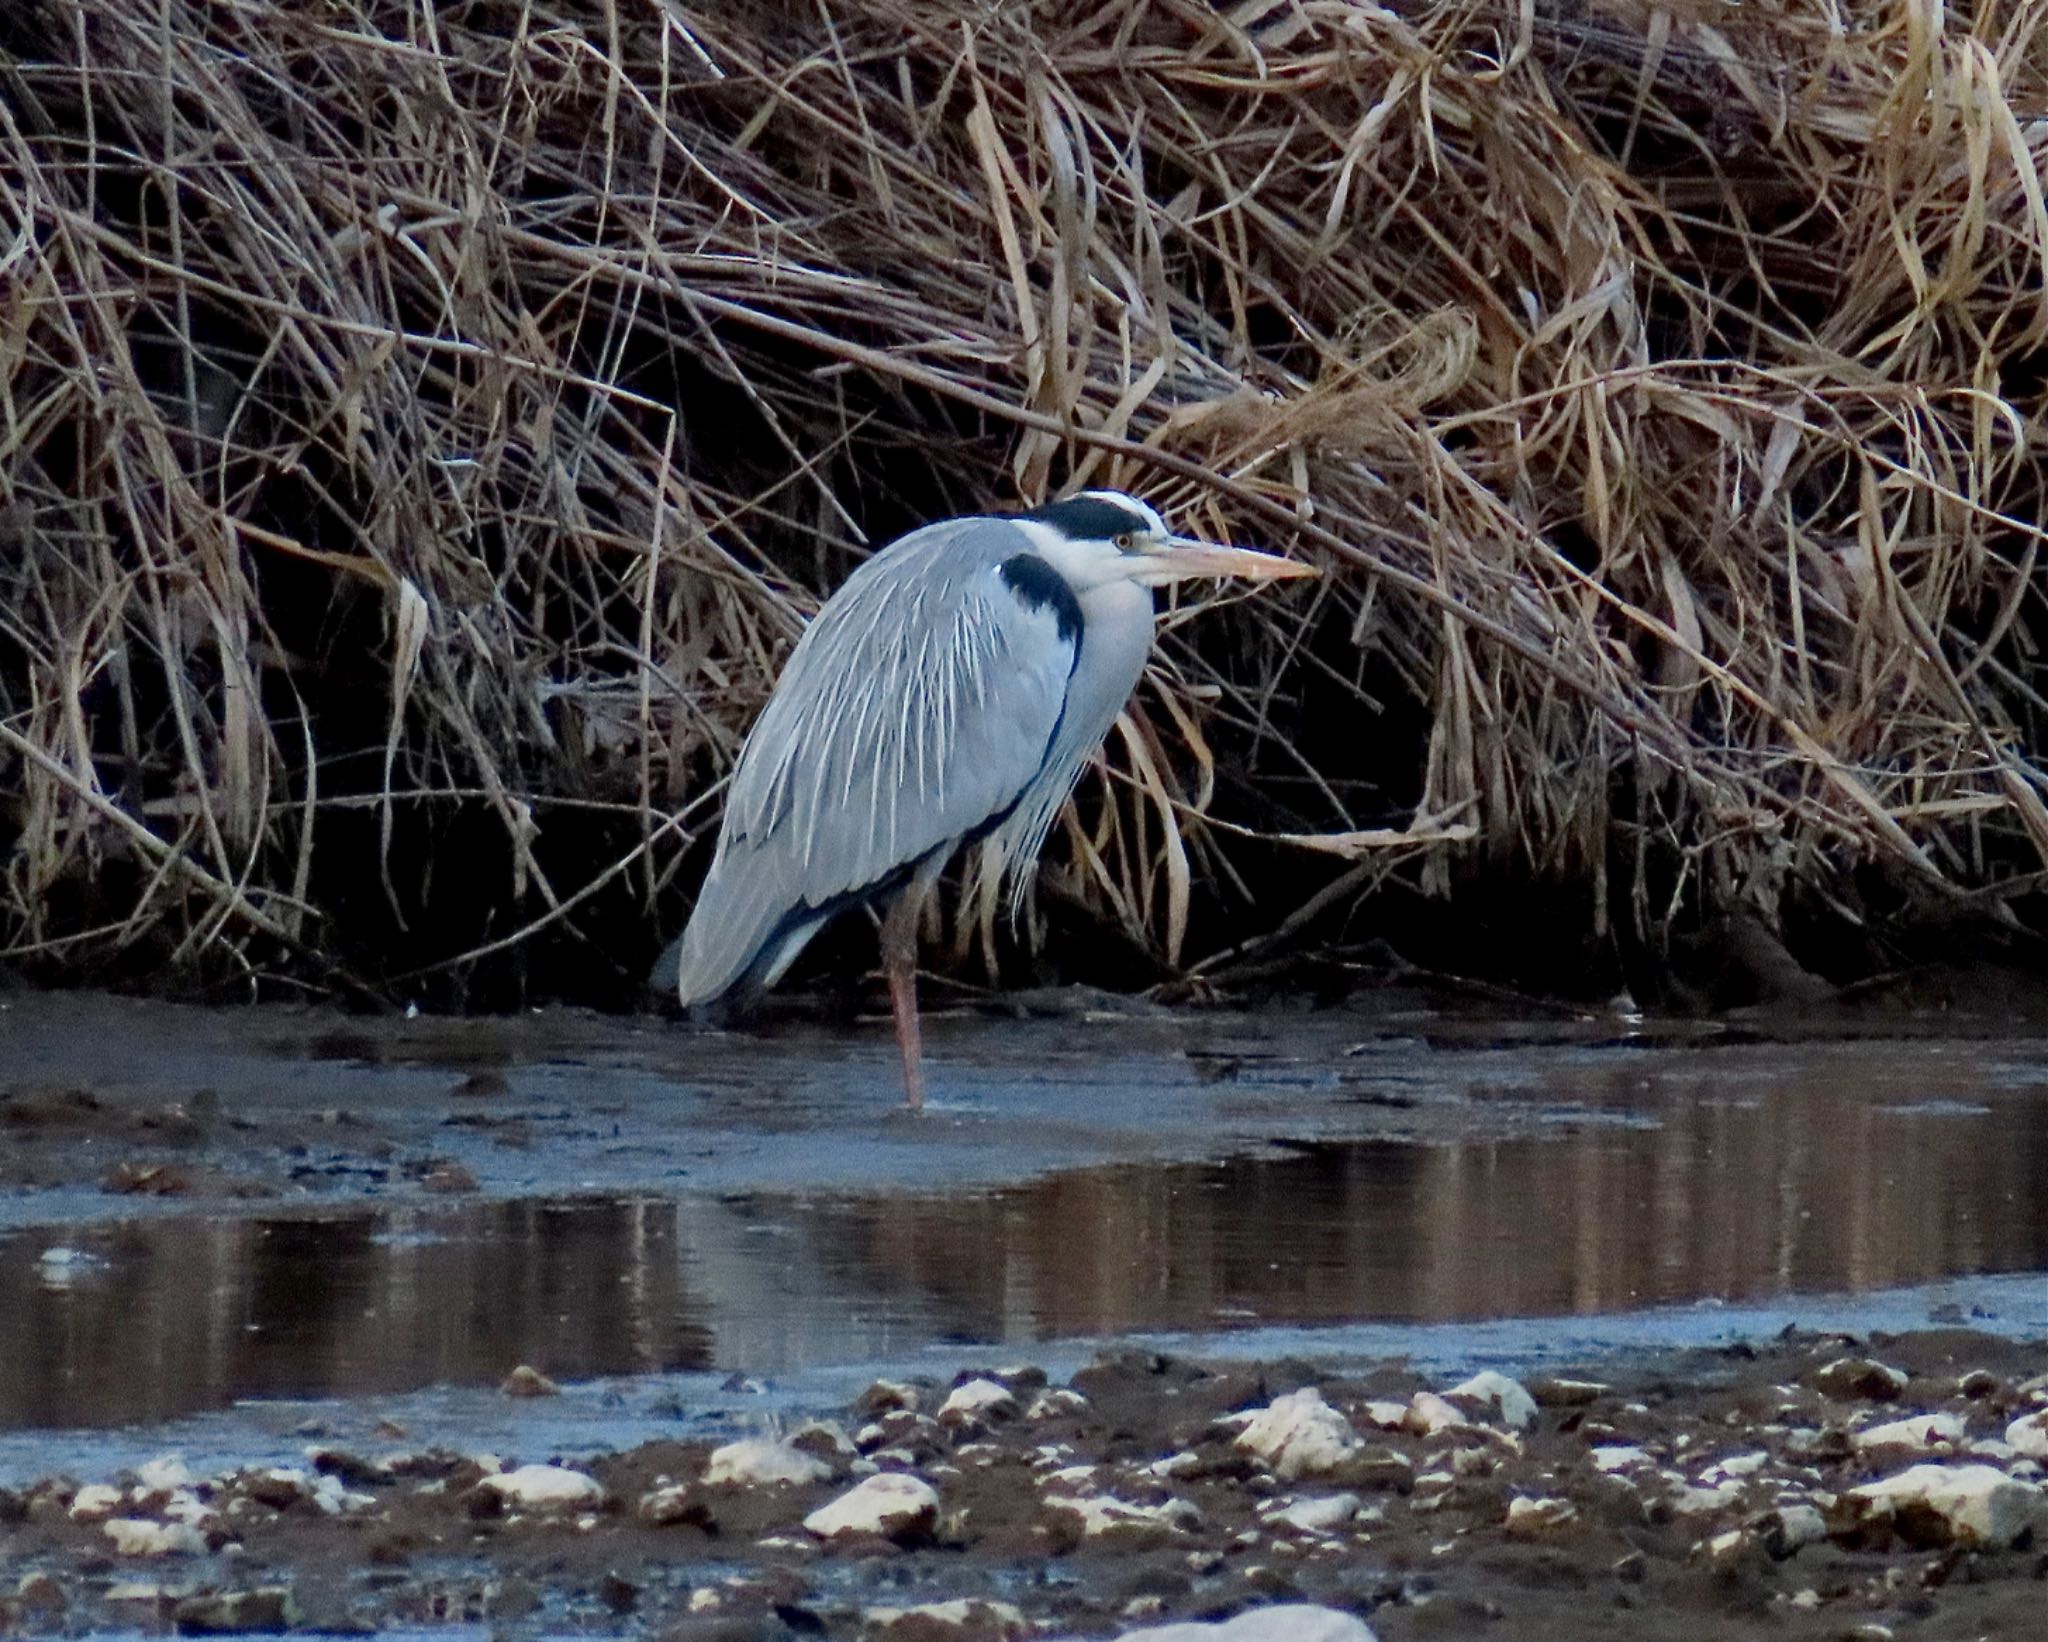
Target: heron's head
1102,536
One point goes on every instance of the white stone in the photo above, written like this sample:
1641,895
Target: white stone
2028,1435
1572,1393
1388,1416
1101,1514
1299,1435
165,1473
1537,1516
1509,1396
969,1615
1799,1526
764,1462
95,1502
1862,1367
1688,1501
1973,1505
1321,1514
668,1503
1921,1431
1620,1457
978,1400
144,1590
1736,1465
546,1488
336,1500
886,1504
1285,1622
1053,1403
186,1506
136,1536
1429,1415
821,1436
1724,1547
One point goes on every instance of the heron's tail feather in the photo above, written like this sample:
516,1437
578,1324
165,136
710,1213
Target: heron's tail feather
737,936
667,972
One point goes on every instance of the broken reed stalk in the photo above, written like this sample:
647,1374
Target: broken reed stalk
422,434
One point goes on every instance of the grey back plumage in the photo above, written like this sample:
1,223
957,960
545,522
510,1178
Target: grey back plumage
927,703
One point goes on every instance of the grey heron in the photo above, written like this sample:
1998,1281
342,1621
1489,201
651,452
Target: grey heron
949,692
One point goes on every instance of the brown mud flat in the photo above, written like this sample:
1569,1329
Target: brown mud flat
1688,1495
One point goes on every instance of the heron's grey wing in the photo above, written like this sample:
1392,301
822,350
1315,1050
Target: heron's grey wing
915,710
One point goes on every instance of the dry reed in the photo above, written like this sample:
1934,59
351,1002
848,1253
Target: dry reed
425,427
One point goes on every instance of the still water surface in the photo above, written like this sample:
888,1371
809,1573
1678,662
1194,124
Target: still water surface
1628,1182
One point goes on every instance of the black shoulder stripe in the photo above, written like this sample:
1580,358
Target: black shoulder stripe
1037,584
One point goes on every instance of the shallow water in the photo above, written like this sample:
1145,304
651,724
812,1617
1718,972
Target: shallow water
674,1204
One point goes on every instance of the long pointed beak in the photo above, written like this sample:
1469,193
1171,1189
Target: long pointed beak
1185,558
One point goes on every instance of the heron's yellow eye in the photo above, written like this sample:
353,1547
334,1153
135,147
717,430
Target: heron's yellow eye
1123,541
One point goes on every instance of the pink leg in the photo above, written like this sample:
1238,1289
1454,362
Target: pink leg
899,963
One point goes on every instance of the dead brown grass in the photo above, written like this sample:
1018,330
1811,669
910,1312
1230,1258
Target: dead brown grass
415,414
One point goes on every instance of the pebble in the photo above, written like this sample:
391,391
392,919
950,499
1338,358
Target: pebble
1921,1431
136,1536
1858,1377
279,1487
978,1400
2028,1435
1430,1415
1736,1465
1299,1435
228,1613
890,1397
1788,1529
1967,1505
890,1505
164,1474
1104,1517
966,1619
526,1381
546,1488
1323,1514
1530,1516
1286,1622
672,1503
42,1596
764,1462
1509,1397
1620,1457
95,1502
1560,1393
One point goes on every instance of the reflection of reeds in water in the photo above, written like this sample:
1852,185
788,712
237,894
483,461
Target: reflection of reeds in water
194,1313
1809,1191
1745,1186
422,442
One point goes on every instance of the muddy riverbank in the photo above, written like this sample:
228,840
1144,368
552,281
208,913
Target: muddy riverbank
288,1241
1671,1495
